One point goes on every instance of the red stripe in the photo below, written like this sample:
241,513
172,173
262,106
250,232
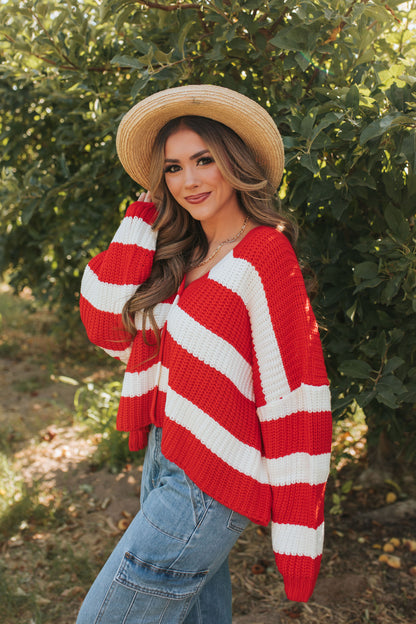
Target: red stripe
143,355
301,432
219,398
144,210
104,329
222,312
122,264
299,503
227,485
133,412
299,574
290,311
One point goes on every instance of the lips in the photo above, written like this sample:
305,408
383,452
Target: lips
197,199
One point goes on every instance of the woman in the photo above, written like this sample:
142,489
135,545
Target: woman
201,294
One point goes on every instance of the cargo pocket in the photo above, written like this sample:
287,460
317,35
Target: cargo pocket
148,578
146,593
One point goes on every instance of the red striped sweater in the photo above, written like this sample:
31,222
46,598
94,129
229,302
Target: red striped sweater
239,386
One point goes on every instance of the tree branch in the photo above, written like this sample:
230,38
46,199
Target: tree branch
169,7
40,23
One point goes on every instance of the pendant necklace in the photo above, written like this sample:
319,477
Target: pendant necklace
225,242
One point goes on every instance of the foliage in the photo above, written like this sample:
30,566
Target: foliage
96,406
339,79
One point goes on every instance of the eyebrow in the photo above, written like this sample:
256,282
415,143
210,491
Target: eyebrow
193,157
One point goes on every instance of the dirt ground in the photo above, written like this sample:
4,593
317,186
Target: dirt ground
49,559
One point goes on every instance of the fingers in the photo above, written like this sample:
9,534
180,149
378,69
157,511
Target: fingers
145,197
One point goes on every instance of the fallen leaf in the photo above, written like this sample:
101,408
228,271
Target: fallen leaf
410,544
123,524
391,497
391,560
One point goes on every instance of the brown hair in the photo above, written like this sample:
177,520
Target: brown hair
179,235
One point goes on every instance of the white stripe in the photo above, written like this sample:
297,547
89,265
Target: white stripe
211,349
293,539
312,399
295,468
135,231
242,278
218,440
160,312
103,296
121,355
299,468
138,384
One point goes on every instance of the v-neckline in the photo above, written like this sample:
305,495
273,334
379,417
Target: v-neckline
184,286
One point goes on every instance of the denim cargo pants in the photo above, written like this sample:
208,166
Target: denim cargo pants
171,565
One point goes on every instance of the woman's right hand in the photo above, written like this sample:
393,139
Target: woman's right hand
145,197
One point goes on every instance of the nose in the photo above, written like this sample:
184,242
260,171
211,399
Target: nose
191,177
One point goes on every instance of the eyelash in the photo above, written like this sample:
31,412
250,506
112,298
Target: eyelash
204,160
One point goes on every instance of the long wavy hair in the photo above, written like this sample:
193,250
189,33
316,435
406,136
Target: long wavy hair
181,240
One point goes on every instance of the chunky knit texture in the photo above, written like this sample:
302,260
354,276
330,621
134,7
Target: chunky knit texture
239,385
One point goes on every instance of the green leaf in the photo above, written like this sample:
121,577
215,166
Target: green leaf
303,61
27,212
294,39
352,99
377,128
366,270
183,35
307,124
397,222
388,398
355,368
393,363
127,61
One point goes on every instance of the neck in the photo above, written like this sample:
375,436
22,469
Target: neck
223,228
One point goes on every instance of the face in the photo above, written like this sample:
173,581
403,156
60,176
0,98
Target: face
195,181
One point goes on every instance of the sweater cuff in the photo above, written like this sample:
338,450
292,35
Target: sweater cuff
144,210
138,439
299,589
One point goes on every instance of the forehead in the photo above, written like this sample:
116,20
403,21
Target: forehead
183,143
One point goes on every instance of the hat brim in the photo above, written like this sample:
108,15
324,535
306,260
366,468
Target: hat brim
139,127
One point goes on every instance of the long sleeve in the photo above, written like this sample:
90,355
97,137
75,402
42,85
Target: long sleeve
293,402
113,276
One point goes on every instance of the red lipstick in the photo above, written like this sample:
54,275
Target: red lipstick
197,199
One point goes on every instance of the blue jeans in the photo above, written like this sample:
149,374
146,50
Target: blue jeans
171,565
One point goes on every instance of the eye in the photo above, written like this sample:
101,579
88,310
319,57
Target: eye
172,168
205,160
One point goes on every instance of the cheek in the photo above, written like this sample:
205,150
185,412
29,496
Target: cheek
216,179
172,187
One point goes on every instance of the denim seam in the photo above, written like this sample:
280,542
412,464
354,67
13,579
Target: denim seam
192,534
234,527
127,613
178,539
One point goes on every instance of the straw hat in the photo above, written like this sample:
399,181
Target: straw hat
139,127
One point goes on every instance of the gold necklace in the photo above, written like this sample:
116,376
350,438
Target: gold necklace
225,242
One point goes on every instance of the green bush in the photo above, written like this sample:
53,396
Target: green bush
96,408
339,79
